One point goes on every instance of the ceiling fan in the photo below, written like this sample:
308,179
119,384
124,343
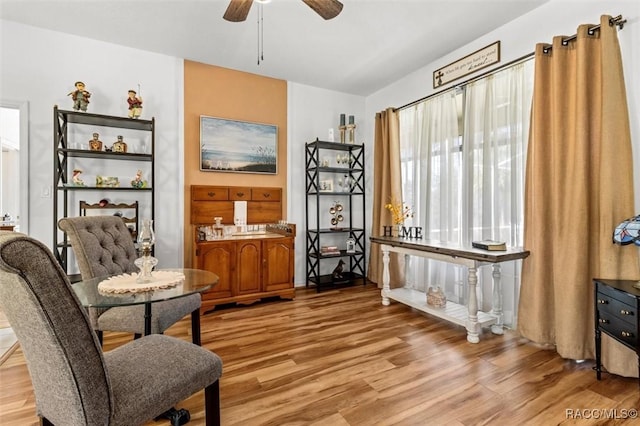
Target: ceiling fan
238,10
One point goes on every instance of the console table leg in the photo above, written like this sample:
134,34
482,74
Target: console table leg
385,276
473,332
498,327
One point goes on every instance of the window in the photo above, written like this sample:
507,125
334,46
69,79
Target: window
463,155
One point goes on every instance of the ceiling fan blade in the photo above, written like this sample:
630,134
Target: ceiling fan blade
328,9
237,10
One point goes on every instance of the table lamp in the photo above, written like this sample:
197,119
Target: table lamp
628,232
146,262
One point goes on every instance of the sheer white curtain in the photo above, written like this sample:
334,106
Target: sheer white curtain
463,159
431,159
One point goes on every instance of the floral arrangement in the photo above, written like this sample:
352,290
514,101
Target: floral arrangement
399,210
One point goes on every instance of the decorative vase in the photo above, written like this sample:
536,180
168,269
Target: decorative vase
436,297
146,262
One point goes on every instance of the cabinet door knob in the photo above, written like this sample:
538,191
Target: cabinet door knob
211,194
624,312
603,302
266,195
603,321
625,334
240,194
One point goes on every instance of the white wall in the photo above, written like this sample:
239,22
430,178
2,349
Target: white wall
518,38
311,112
40,67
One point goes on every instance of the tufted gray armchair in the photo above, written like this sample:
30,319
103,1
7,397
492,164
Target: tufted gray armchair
74,382
103,247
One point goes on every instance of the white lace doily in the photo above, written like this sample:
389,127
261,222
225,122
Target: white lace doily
126,283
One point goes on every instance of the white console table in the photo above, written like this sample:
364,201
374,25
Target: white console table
467,316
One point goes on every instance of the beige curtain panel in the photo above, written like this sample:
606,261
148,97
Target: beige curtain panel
387,181
579,186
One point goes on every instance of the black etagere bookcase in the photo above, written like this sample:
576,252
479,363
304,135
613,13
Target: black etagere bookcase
335,174
69,153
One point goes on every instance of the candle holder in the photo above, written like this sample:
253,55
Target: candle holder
351,128
343,130
146,262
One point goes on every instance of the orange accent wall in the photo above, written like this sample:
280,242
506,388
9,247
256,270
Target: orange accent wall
221,92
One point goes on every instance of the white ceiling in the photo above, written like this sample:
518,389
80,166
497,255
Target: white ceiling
371,44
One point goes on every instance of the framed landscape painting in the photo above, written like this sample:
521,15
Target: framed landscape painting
238,146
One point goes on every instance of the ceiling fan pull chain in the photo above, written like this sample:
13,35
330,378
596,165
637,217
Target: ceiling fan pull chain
260,34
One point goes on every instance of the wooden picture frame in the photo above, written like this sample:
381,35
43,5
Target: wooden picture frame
325,185
238,146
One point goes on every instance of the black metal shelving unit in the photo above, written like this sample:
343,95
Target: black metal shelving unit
62,170
317,200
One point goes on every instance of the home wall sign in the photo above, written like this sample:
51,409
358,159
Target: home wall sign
469,64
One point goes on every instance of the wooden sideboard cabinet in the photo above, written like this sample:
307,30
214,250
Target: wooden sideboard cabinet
251,266
249,269
617,309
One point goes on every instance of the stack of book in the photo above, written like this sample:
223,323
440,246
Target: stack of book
489,245
329,251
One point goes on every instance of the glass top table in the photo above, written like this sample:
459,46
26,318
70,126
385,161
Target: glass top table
195,281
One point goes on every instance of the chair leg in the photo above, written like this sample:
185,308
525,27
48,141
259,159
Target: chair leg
100,337
212,404
136,336
45,422
195,327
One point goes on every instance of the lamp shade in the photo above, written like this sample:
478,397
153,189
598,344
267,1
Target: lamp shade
627,232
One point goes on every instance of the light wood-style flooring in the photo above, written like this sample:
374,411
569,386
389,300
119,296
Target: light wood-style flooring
340,358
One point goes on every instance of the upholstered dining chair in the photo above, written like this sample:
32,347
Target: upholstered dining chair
74,381
103,246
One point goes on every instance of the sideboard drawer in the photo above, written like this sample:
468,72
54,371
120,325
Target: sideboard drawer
266,194
618,329
616,309
239,194
617,294
209,193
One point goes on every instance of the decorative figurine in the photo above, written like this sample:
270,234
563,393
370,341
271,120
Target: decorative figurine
119,145
95,144
80,97
135,104
76,177
138,182
337,272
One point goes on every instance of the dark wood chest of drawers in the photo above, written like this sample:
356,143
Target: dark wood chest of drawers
617,305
